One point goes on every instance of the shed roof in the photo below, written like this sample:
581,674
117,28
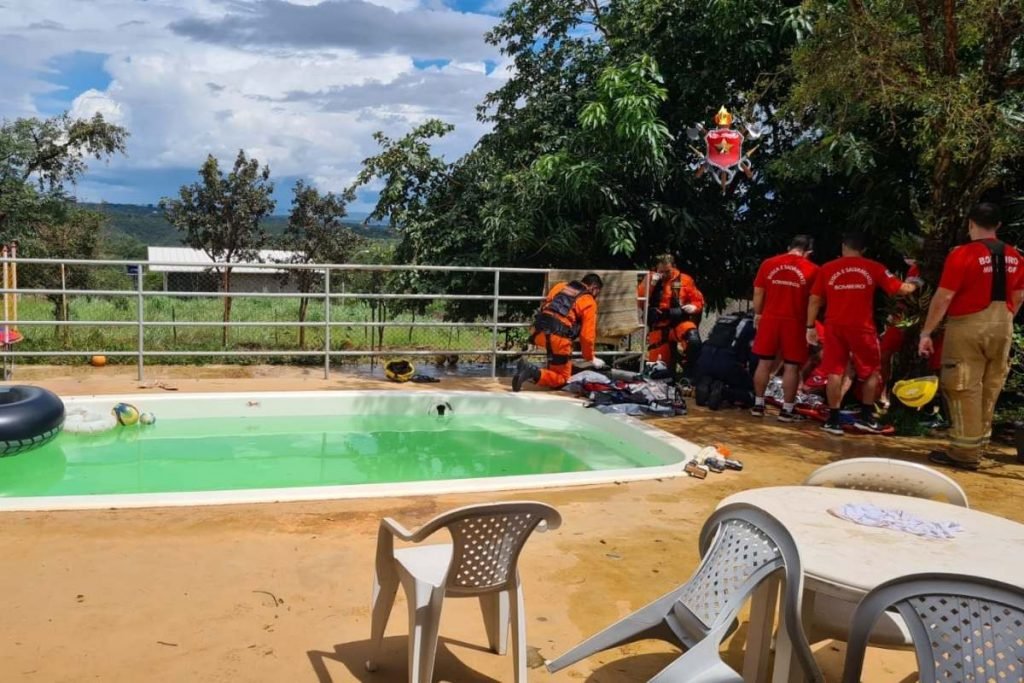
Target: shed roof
187,260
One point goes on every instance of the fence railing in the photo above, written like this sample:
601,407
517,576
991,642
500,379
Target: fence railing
501,307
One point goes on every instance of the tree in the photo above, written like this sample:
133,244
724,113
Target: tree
316,234
587,166
38,158
927,96
221,216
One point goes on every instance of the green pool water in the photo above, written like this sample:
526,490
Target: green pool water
277,452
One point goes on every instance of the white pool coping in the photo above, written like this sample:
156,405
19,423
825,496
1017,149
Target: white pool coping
674,450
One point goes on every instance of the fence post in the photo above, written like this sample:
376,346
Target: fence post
141,318
327,323
494,331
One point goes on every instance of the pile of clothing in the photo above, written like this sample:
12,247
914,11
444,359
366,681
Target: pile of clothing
629,393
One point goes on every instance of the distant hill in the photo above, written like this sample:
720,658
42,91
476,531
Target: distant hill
131,227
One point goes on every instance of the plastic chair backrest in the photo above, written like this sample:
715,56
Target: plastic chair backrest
741,546
889,476
965,629
487,540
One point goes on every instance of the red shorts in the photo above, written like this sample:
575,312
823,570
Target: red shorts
781,336
892,339
843,344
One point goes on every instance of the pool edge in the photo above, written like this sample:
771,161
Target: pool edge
687,450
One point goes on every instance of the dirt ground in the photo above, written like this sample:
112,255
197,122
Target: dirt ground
280,592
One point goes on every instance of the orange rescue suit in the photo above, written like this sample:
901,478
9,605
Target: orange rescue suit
569,312
666,323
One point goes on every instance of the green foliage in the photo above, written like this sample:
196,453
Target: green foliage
409,171
37,159
921,96
223,216
316,234
585,166
146,225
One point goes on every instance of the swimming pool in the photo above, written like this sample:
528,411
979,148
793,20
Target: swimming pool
263,447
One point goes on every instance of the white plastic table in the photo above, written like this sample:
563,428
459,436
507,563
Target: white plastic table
846,560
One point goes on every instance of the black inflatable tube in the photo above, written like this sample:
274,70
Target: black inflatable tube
29,417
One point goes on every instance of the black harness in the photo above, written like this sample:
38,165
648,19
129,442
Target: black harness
997,250
546,323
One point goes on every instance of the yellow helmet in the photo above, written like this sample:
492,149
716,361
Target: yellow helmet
399,370
915,393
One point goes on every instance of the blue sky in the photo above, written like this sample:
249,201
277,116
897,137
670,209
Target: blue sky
300,84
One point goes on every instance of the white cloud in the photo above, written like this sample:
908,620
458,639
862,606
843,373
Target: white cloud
306,106
93,102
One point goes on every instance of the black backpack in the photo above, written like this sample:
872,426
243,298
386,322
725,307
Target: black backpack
724,332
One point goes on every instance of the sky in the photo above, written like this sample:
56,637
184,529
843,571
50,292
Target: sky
299,84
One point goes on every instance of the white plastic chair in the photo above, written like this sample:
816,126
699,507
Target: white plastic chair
741,546
965,629
886,475
832,615
481,562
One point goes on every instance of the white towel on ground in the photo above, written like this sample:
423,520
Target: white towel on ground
900,520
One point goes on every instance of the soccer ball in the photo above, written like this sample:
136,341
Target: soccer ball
126,414
147,418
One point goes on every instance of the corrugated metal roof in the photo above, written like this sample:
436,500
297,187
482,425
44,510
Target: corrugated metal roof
196,261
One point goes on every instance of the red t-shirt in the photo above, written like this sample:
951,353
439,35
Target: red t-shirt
848,287
786,281
968,273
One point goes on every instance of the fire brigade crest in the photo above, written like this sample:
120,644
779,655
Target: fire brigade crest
723,146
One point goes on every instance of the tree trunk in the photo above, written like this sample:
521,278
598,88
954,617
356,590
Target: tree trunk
226,284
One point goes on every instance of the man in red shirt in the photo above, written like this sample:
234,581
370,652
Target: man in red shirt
781,289
846,287
981,289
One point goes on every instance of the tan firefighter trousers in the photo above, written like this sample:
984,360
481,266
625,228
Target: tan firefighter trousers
975,362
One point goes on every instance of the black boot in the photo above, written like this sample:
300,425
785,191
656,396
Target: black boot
525,371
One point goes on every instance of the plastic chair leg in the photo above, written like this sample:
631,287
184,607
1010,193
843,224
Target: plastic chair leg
384,591
519,634
425,603
648,618
700,664
495,608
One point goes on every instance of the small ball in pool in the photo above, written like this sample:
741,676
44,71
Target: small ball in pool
147,418
126,414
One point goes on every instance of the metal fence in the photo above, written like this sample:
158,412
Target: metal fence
122,309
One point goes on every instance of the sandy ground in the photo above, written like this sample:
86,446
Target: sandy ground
280,592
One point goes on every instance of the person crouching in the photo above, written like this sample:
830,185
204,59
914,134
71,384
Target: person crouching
569,313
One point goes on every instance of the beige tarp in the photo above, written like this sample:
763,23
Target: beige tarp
617,315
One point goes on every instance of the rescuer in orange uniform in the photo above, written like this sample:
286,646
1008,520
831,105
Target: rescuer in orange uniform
673,309
569,312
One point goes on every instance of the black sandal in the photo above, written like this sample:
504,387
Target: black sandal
943,458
